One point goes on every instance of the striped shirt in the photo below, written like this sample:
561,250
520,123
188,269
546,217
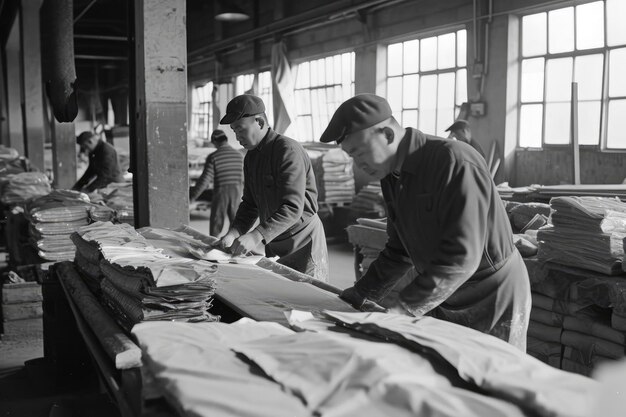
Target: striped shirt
222,167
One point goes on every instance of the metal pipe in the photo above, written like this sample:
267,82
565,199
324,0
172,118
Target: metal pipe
85,10
101,57
101,37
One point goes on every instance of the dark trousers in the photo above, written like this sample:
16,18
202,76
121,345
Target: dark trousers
224,206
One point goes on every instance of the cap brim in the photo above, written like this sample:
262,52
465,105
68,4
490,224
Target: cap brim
229,118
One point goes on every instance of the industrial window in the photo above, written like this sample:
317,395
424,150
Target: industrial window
260,85
201,111
320,87
585,44
427,81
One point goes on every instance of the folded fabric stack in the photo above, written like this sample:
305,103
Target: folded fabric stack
369,198
139,282
53,218
333,173
578,317
586,232
119,197
527,216
17,188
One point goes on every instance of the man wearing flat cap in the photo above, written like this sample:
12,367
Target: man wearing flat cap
103,166
279,191
460,130
445,219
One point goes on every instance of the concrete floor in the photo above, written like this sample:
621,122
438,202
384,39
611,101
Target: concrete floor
25,385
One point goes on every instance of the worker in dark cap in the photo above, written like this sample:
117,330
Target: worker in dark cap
279,192
460,130
103,166
224,169
445,219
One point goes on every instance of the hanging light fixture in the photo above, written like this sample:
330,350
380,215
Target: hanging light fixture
229,12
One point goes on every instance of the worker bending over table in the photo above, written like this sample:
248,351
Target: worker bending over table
279,191
445,219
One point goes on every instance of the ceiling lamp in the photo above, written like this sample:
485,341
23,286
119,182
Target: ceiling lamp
230,13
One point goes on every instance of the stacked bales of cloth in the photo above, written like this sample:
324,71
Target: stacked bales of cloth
53,218
139,282
369,199
119,197
586,232
333,173
576,316
17,188
527,216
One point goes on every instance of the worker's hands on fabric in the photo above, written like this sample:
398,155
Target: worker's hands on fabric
227,240
246,243
398,308
352,296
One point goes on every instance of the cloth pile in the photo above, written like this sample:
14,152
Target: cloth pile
578,317
139,282
53,218
369,198
118,196
17,188
333,173
585,232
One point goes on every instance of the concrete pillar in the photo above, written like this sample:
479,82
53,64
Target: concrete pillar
63,153
4,116
33,95
159,134
14,90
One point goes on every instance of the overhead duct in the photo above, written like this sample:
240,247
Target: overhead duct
57,57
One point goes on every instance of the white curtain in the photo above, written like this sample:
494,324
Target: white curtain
282,88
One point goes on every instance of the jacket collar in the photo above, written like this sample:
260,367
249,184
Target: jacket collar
412,140
268,138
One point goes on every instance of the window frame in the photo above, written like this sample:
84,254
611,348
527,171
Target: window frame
209,109
604,51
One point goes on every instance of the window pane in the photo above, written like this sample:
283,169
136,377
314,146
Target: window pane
615,132
559,79
530,126
411,56
303,75
428,103
409,118
461,48
615,28
445,117
394,93
330,72
561,30
589,122
410,91
321,72
461,86
445,93
446,51
532,80
394,59
428,54
557,123
590,24
588,75
303,102
617,69
534,34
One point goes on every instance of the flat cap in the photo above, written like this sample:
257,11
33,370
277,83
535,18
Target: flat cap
86,135
245,105
459,124
357,113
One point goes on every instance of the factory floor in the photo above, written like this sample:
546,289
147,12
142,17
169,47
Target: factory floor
28,388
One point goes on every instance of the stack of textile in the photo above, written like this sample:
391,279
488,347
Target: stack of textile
369,199
586,232
333,173
578,317
53,218
139,282
119,197
17,188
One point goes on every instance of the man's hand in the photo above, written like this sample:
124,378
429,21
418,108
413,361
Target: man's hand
246,243
353,297
227,240
398,308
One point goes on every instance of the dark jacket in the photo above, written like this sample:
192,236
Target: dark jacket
279,189
103,169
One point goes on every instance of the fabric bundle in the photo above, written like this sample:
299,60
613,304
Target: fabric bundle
139,282
573,322
586,232
370,199
334,176
53,218
17,188
119,197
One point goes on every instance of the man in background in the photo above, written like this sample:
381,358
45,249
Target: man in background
460,130
103,166
224,170
279,191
